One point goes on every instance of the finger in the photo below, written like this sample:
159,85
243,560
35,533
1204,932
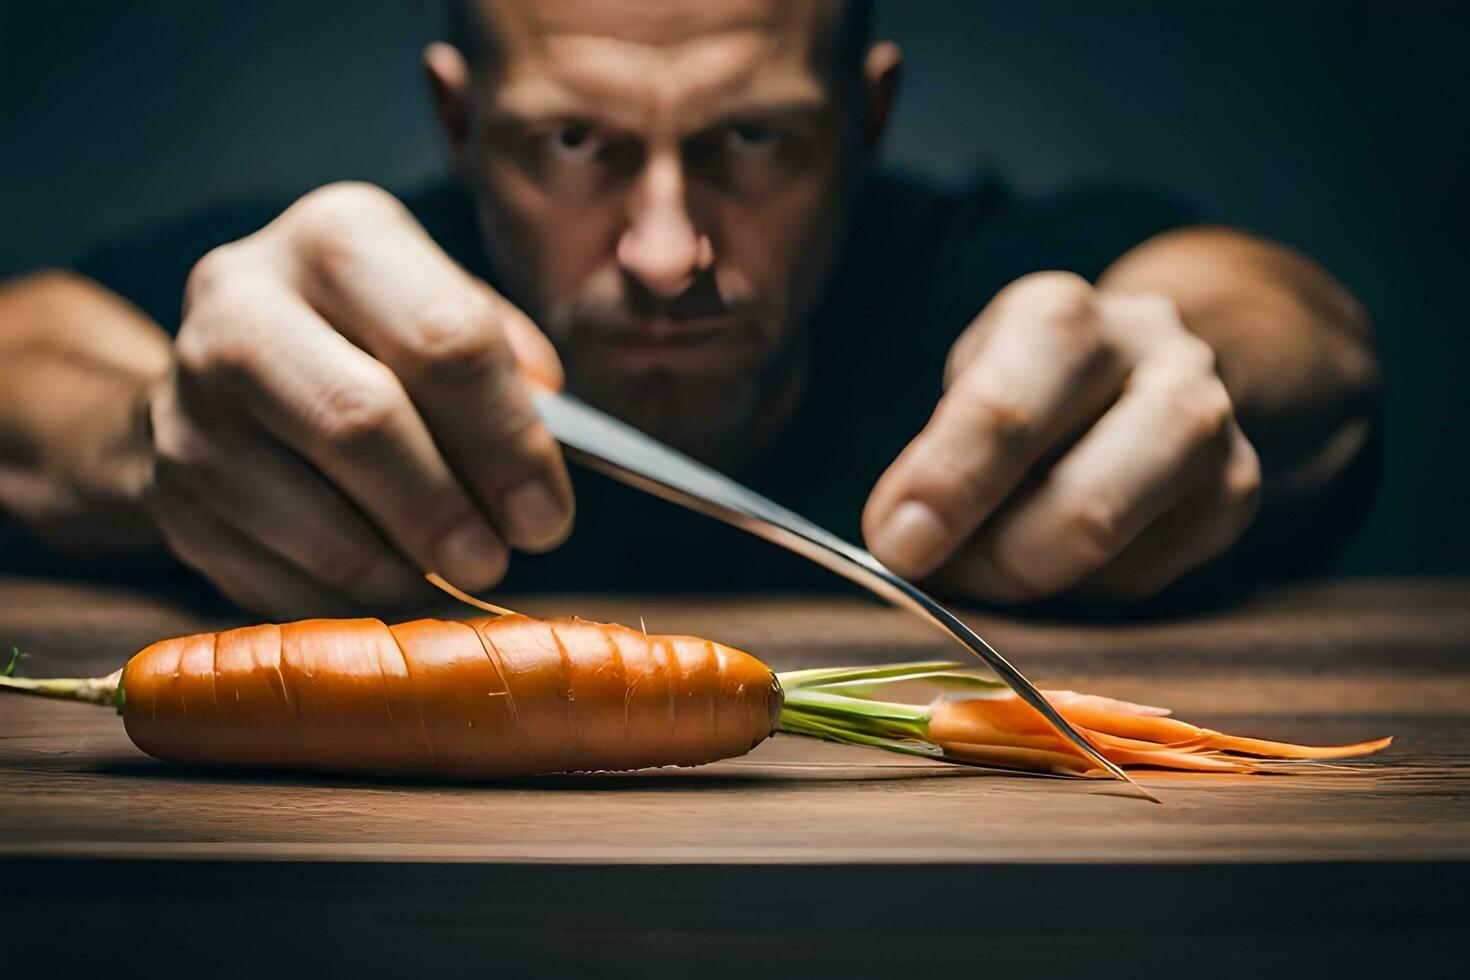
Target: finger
273,498
459,349
1197,530
1165,438
247,574
1041,373
347,415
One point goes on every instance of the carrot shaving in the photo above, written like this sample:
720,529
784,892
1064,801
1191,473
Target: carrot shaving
1150,729
1286,750
438,582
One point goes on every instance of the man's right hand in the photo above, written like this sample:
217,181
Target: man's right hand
350,410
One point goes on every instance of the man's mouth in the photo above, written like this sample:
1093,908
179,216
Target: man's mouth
688,344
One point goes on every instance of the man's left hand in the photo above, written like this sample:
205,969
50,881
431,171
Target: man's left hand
1085,444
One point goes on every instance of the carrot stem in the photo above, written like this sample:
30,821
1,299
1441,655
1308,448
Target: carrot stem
93,690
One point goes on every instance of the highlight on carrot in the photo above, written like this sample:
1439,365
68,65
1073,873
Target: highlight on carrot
980,721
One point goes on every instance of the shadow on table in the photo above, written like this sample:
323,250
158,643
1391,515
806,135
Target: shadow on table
669,780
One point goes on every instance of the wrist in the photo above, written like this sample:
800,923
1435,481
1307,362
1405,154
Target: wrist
77,368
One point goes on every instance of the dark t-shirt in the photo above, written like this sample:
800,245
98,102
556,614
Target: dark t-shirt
919,264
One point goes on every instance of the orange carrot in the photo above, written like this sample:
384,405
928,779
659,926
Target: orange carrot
510,696
988,725
478,699
1123,734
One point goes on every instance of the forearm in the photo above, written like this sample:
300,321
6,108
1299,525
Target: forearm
1294,349
76,363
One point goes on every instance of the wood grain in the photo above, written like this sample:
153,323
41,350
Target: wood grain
91,823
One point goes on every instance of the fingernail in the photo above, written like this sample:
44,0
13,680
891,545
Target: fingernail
911,541
537,519
470,556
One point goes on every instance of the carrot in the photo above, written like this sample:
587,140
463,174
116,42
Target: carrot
512,696
479,699
988,725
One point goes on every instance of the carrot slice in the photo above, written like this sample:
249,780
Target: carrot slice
1133,735
1289,750
1016,757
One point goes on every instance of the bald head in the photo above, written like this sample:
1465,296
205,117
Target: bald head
841,30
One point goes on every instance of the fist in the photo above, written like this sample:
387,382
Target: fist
348,410
1084,445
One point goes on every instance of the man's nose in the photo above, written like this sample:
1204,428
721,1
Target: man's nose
661,247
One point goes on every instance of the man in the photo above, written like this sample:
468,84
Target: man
666,206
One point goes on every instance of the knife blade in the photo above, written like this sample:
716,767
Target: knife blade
611,447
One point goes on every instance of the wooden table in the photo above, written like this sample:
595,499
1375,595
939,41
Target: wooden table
802,858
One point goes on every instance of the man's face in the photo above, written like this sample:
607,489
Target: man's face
660,183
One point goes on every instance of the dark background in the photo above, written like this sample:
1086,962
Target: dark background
1341,128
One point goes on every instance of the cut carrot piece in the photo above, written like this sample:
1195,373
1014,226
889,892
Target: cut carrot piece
1132,735
1288,750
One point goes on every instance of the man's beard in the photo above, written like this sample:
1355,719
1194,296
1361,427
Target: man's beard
710,405
705,414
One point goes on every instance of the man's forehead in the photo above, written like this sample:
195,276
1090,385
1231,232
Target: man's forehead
651,22
648,56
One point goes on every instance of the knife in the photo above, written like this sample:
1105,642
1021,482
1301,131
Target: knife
602,443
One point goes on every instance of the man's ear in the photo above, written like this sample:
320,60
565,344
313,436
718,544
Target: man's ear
449,78
882,69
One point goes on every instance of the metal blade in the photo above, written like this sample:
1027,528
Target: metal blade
602,443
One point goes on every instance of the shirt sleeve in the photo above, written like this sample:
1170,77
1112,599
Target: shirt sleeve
997,236
1090,227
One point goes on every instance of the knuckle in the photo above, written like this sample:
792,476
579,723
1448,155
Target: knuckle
1199,403
459,336
1195,355
329,221
212,346
962,353
1211,412
219,332
357,410
1094,530
1062,299
192,349
1005,418
230,355
1156,307
347,202
214,267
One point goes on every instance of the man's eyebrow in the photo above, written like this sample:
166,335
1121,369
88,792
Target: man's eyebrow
808,111
788,110
510,119
535,103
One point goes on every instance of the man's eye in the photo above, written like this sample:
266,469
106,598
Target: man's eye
751,138
574,142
